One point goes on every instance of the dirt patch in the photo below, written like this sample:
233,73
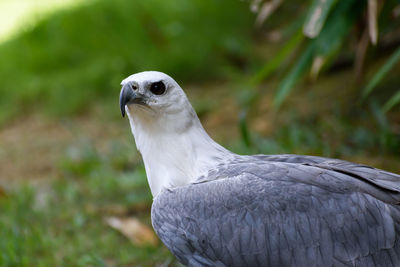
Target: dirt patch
31,148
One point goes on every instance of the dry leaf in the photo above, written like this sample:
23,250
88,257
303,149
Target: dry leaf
373,21
312,28
134,230
316,67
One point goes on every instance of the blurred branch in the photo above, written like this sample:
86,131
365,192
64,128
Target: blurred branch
361,52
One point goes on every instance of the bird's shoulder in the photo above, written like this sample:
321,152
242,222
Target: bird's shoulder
332,175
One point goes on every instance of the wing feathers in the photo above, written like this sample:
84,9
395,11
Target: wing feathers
283,214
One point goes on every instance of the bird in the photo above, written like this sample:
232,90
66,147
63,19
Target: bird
212,207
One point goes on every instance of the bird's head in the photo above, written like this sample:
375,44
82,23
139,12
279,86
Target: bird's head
175,148
152,96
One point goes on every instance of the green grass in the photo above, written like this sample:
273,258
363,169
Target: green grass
61,230
79,56
62,223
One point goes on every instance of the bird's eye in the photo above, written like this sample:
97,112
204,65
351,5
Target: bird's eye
157,88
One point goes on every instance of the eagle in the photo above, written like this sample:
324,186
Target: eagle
212,207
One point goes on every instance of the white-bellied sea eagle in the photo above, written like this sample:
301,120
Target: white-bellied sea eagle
212,207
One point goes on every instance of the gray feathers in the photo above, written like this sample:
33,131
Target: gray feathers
284,210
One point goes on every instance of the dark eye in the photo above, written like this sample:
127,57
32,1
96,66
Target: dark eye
157,88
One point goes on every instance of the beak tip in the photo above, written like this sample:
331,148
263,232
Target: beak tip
122,101
123,110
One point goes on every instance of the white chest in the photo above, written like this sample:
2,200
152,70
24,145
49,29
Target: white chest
175,156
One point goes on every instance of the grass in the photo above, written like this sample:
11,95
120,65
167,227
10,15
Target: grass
63,223
61,230
80,55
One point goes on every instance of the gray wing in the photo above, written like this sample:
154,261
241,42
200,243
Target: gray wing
280,214
380,178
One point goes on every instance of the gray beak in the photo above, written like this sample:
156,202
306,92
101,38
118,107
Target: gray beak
129,96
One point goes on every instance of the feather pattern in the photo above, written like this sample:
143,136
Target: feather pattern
284,210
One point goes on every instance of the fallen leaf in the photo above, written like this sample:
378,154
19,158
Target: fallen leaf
134,230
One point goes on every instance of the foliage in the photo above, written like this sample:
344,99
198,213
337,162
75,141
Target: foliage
332,135
394,58
80,55
332,33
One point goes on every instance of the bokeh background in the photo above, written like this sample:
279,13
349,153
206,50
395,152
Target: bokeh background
307,77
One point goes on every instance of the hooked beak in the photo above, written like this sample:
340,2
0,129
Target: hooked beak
129,96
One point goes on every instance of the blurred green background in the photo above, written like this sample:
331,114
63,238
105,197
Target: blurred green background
306,77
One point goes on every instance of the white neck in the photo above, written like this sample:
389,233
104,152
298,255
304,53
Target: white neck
176,152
